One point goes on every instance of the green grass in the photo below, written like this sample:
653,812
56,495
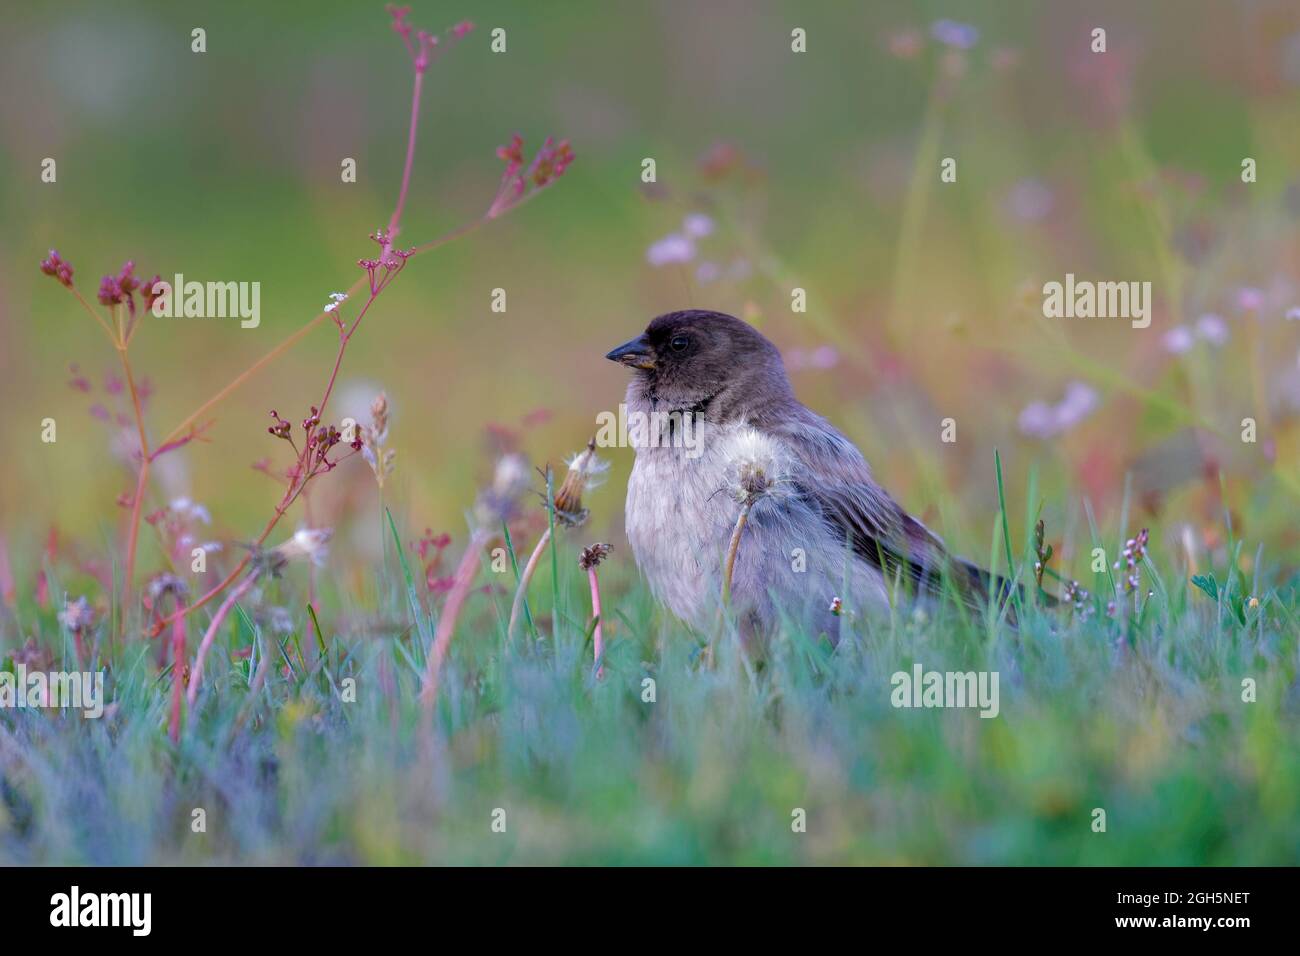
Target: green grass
1144,719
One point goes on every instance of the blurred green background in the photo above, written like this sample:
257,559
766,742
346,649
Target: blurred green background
923,297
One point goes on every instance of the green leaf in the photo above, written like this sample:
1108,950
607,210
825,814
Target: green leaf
1207,584
320,635
422,623
1013,573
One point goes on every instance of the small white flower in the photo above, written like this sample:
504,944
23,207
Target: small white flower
499,501
511,475
185,508
1293,313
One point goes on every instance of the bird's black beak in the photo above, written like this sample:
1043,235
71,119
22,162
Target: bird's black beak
634,354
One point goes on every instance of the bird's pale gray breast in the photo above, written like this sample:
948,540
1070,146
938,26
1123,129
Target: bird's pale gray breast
679,521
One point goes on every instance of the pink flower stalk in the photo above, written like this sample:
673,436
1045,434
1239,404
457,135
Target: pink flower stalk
178,677
8,589
196,675
462,583
589,560
162,587
1135,551
521,591
426,44
520,183
497,504
390,261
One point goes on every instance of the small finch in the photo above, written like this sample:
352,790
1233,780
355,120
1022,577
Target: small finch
732,450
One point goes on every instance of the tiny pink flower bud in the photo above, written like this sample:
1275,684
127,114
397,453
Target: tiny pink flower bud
54,265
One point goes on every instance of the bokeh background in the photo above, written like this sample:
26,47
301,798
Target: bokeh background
817,170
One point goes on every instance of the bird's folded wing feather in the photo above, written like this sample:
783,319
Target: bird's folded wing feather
832,474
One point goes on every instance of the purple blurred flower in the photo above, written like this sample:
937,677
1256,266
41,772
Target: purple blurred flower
961,36
1178,340
1212,329
697,225
1250,299
671,249
820,358
708,272
740,269
1079,402
1030,200
1043,420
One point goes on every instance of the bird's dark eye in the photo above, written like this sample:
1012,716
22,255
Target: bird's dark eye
678,343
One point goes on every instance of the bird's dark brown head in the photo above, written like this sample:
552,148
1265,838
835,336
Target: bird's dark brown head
690,358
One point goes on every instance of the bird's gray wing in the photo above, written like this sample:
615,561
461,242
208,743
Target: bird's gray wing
832,475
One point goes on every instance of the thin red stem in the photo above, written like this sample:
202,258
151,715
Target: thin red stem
395,220
598,653
133,534
196,675
462,582
394,225
178,665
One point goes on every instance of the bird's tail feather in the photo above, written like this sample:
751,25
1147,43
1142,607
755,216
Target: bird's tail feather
989,588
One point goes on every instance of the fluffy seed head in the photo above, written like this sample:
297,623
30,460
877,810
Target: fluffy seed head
499,502
592,555
311,544
77,616
756,466
586,471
